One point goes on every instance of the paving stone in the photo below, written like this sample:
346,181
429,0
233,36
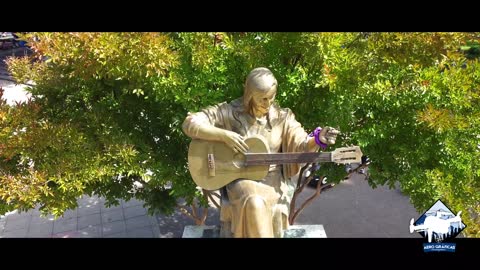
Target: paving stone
85,221
114,227
144,232
138,222
112,216
134,211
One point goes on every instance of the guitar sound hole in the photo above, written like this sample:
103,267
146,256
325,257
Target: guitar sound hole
239,160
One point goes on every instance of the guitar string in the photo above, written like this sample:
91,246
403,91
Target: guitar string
324,157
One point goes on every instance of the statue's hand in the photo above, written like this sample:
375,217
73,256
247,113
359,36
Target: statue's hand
328,135
235,141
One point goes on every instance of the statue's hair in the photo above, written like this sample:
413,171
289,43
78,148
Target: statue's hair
259,79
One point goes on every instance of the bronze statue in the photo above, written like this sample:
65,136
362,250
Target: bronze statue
257,208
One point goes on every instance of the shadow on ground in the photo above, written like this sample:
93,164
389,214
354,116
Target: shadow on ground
172,226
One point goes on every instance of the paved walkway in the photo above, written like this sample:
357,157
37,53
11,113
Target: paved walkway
90,220
354,209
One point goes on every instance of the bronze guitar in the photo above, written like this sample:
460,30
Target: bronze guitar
214,164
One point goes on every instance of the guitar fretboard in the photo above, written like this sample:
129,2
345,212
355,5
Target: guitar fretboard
283,158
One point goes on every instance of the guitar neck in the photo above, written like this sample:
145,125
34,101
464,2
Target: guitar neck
283,158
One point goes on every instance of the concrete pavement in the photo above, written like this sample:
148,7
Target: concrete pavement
353,209
90,220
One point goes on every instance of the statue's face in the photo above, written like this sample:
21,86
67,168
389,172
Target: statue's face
262,100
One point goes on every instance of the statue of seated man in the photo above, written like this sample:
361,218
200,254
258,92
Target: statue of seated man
257,208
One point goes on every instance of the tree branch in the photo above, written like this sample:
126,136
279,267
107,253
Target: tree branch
194,209
362,166
205,209
210,197
301,183
184,211
308,201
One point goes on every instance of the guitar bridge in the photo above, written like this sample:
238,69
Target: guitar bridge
211,162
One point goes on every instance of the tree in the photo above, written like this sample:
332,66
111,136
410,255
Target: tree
413,100
108,110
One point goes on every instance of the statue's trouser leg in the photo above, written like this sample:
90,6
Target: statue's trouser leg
256,224
251,204
277,223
